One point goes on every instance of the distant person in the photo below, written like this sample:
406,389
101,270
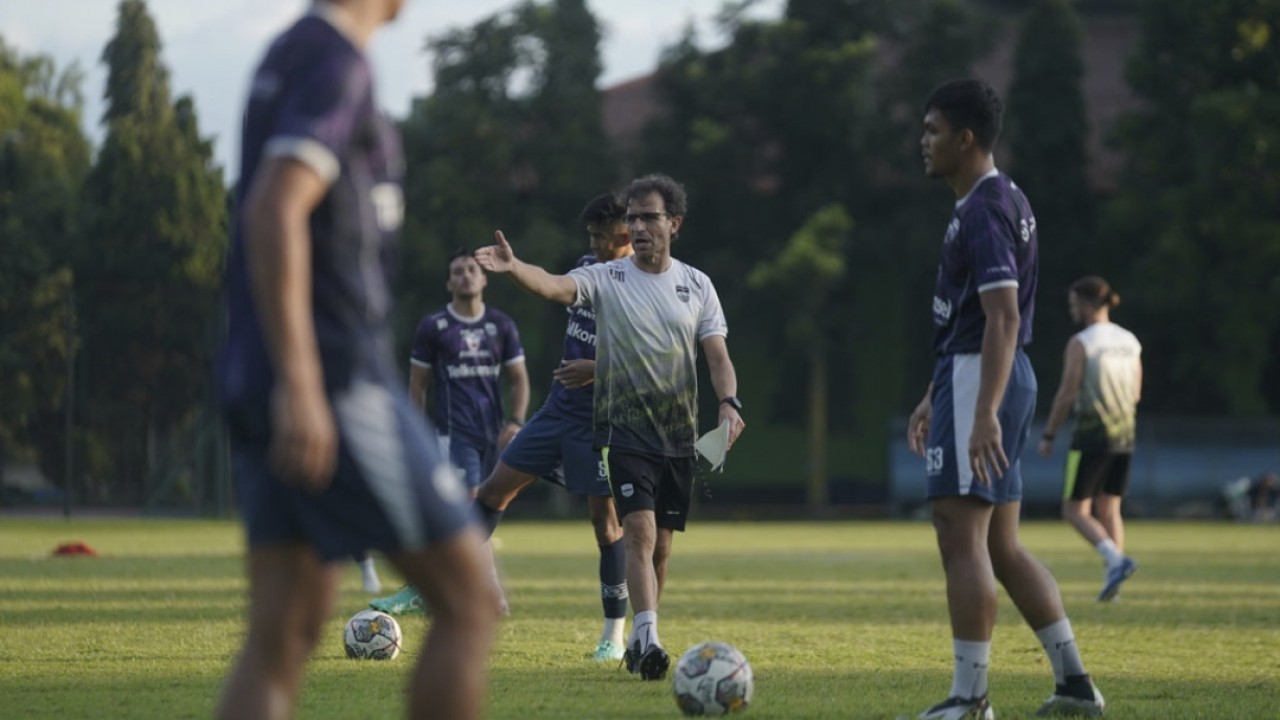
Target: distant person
974,419
1263,495
328,456
1253,499
1101,384
460,354
556,443
654,313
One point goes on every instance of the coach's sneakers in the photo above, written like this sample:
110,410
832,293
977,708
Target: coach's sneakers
406,601
1062,703
1116,575
608,651
958,708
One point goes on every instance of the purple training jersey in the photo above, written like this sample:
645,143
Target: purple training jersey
312,102
466,357
990,243
579,344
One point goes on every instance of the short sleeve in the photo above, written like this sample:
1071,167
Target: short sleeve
512,350
423,353
320,114
991,252
586,279
711,321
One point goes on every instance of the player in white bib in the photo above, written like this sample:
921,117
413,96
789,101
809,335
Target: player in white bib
1101,384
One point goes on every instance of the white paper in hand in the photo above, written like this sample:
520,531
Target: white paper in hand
714,446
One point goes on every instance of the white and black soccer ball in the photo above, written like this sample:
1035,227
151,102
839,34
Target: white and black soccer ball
372,635
713,678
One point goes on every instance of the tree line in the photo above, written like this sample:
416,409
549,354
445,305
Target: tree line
798,142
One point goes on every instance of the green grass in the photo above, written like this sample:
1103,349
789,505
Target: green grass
839,620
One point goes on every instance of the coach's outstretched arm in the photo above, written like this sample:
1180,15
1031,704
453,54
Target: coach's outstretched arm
501,258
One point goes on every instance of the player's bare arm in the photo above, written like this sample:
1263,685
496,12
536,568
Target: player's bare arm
517,402
500,258
518,395
918,423
725,381
419,385
999,343
304,442
574,374
1068,389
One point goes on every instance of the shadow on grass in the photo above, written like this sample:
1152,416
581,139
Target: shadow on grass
792,694
339,689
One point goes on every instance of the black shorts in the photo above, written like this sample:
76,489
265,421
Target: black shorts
1090,473
640,481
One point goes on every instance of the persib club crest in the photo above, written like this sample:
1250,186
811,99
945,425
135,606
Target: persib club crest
471,341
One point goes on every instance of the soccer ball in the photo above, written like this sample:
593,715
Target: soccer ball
372,635
713,678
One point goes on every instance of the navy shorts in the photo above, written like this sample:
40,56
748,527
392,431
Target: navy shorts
473,459
1090,473
641,481
955,394
558,447
390,492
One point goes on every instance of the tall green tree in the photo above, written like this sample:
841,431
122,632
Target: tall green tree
151,263
803,277
1197,208
44,157
1046,129
512,138
137,80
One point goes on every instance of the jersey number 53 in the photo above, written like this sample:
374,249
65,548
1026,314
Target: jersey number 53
933,460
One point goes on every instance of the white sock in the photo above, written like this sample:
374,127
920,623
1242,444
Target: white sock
1109,552
613,630
1059,643
972,658
369,576
644,629
503,607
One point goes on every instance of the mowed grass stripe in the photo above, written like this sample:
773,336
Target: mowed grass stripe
839,619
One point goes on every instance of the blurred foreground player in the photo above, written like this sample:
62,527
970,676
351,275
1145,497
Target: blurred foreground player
329,457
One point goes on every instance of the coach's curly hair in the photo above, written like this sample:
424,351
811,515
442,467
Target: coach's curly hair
672,192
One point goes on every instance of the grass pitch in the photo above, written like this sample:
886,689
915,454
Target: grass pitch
839,620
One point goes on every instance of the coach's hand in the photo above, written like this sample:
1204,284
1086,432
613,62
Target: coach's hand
736,423
496,258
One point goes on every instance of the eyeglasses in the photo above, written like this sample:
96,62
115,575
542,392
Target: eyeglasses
648,218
